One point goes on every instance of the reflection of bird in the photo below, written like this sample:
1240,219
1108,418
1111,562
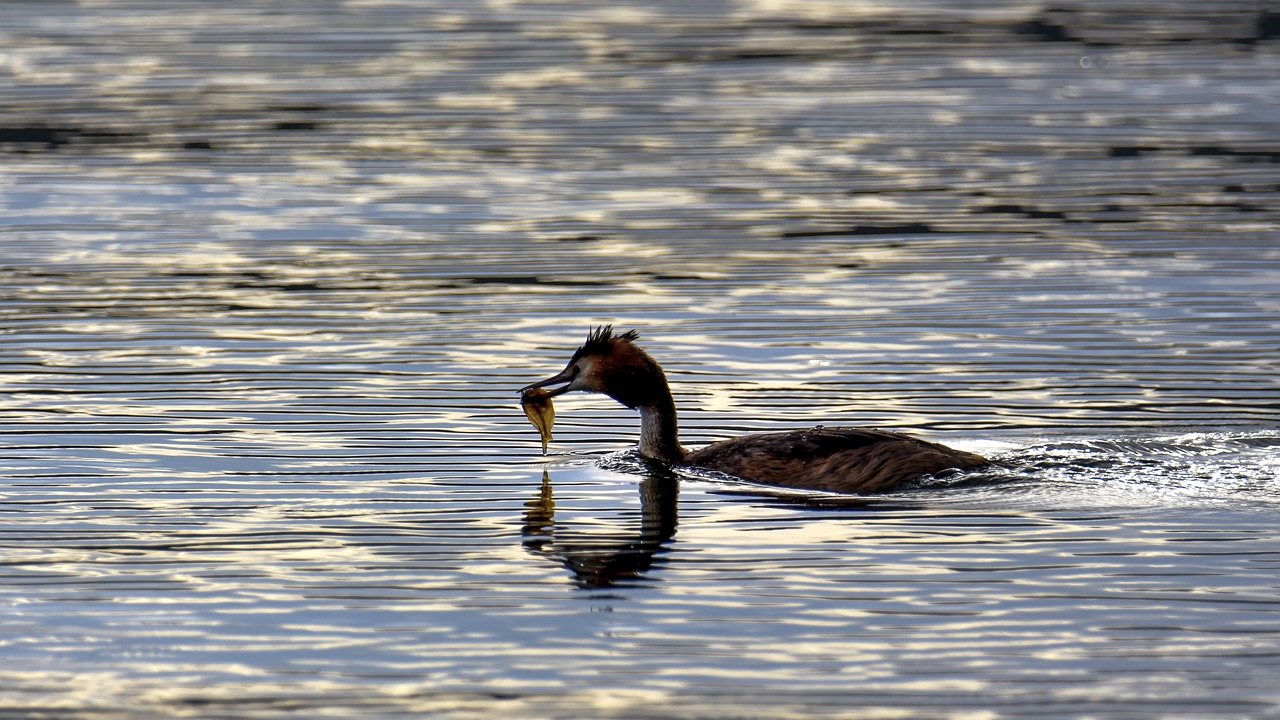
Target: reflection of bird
601,561
838,459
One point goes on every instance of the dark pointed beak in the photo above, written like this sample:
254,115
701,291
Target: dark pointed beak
564,377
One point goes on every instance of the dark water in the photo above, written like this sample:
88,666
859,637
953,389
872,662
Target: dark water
271,275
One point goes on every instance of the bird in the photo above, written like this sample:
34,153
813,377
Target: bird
849,460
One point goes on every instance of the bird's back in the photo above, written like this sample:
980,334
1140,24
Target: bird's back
847,460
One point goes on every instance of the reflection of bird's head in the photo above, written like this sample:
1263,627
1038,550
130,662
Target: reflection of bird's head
612,365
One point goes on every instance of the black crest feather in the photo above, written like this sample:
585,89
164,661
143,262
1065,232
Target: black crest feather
599,340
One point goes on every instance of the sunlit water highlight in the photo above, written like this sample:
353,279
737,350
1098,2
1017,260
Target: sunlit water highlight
270,280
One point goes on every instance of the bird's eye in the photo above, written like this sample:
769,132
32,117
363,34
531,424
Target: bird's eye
576,370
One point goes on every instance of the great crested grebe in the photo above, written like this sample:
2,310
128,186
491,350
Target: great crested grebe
833,459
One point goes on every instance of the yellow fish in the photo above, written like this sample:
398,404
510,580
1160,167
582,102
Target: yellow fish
538,408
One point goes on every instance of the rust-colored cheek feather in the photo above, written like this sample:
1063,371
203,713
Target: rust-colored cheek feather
631,377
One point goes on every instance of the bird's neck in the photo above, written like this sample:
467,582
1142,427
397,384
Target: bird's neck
658,429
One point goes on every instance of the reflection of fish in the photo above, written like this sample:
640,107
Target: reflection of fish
537,406
835,459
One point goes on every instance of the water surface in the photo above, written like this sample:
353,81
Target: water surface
269,281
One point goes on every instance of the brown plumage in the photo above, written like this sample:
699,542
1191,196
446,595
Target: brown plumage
835,459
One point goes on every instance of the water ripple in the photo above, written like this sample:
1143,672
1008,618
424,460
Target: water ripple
270,279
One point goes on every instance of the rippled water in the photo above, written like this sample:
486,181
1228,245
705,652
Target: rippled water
269,280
